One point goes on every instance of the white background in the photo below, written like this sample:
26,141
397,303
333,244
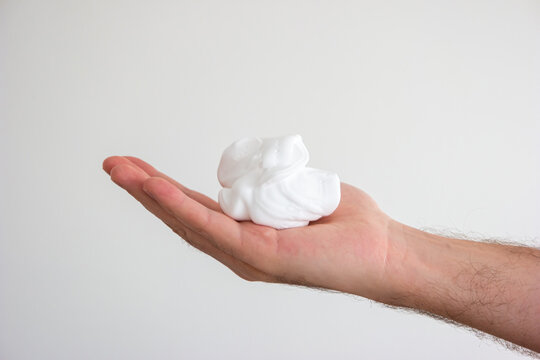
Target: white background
432,107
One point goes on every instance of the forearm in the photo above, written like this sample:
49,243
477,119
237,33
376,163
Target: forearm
491,287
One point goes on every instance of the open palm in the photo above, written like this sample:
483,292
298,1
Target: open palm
346,251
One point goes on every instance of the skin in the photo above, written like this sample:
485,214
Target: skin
360,250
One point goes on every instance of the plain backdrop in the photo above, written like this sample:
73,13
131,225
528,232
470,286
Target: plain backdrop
432,107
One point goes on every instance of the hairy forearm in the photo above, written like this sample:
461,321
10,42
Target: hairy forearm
491,287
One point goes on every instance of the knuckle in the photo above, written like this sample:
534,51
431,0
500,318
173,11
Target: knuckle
179,231
203,227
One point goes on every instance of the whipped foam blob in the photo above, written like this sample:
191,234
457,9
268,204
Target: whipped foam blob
266,180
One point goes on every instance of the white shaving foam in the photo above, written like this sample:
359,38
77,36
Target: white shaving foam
266,180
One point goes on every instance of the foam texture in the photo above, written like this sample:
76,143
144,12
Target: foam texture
266,180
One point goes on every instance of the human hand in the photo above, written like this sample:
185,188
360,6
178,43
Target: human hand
359,250
347,251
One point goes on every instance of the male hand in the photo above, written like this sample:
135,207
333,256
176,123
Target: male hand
347,251
359,250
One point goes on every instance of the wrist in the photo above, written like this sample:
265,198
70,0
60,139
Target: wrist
416,263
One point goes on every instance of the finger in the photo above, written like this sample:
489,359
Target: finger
110,162
224,232
132,179
150,170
